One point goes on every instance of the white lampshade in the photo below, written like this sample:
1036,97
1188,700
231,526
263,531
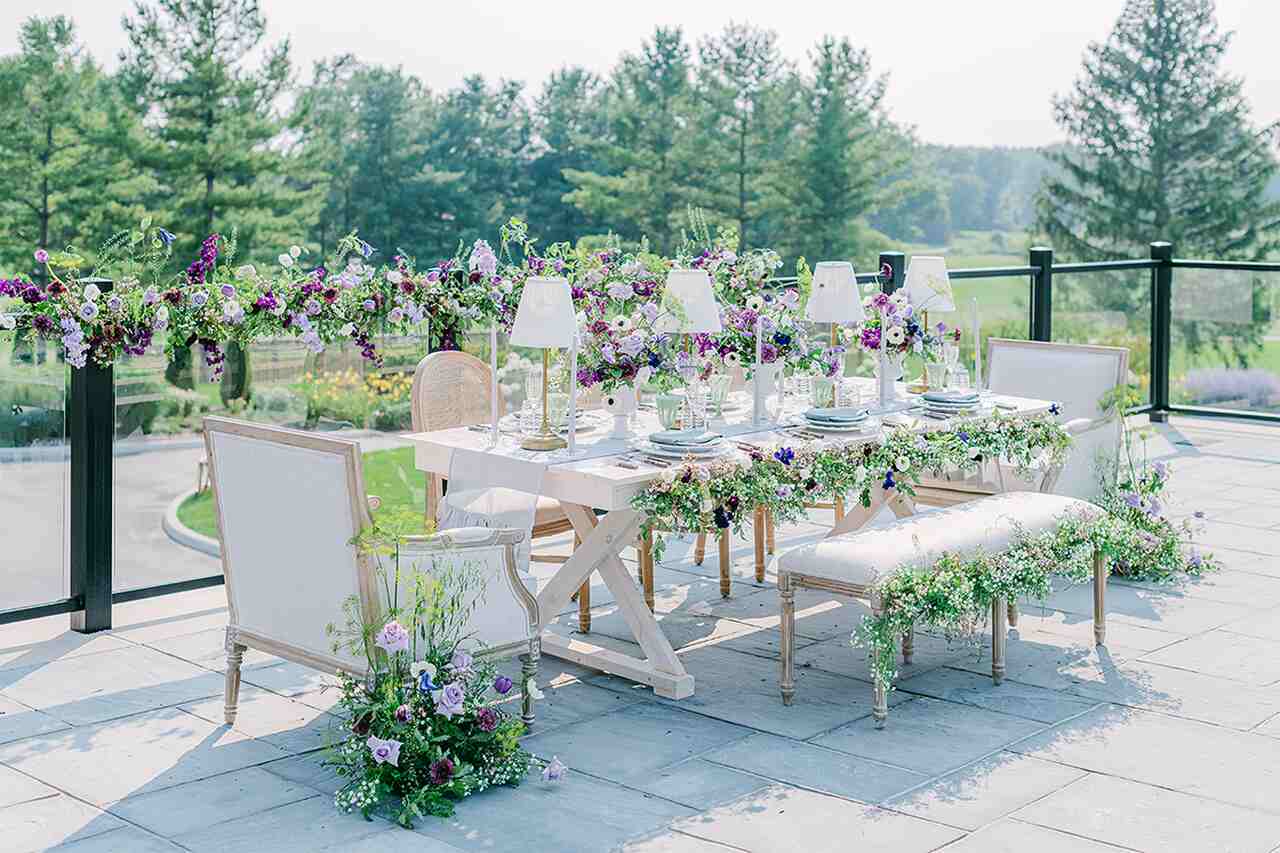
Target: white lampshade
834,297
928,286
689,303
545,316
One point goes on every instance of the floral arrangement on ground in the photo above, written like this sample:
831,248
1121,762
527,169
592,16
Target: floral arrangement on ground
426,726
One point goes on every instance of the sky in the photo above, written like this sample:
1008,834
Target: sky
981,72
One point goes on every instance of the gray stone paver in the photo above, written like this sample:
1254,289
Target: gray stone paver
1168,739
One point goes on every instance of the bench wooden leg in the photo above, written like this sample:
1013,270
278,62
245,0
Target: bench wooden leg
838,504
757,529
908,645
726,578
999,630
1099,599
584,597
880,691
700,549
646,568
231,697
770,535
787,596
1013,614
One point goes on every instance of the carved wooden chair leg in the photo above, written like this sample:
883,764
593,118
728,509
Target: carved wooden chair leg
1013,614
757,529
880,698
700,549
999,631
726,578
584,597
787,596
908,645
1099,598
646,568
231,699
769,532
838,505
529,672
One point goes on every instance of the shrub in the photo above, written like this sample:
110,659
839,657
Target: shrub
1207,385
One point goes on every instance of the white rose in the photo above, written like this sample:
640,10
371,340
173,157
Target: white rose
707,505
91,292
286,260
295,251
902,464
247,271
860,474
394,276
8,322
347,330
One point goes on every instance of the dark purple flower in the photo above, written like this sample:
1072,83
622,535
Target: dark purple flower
784,455
441,771
768,353
721,517
486,719
963,436
888,480
1055,409
166,237
404,714
502,685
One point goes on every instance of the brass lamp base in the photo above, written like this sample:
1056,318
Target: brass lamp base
543,441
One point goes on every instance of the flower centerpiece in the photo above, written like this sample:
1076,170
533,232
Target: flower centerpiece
426,726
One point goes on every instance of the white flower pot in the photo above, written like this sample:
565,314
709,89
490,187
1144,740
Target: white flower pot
621,403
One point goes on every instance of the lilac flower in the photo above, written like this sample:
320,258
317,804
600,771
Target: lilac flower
385,751
554,771
483,260
395,315
88,311
620,290
441,771
392,638
42,257
365,249
199,298
1195,559
228,290
1161,469
609,354
783,492
150,296
486,719
1153,507
404,714
502,685
1133,500
632,345
313,307
166,237
461,662
369,305
1198,513
768,353
449,700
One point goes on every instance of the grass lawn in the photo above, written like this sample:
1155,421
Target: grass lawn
389,474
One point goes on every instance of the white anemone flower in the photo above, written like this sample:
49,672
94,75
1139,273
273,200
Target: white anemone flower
91,292
902,463
295,251
285,259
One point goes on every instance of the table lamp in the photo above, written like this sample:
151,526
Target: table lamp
690,308
834,297
544,319
928,286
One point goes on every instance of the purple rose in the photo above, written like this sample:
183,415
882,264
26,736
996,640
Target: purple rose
441,771
449,700
461,662
502,685
487,719
392,638
385,751
404,714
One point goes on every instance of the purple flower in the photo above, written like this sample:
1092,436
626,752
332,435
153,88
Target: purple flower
441,771
554,771
1133,500
783,492
114,304
461,662
888,480
487,719
784,455
1195,559
768,353
166,237
963,436
384,751
313,307
449,700
392,638
425,684
151,296
404,714
1161,469
88,311
483,260
42,257
502,685
1198,513
1055,409
228,290
369,305
199,298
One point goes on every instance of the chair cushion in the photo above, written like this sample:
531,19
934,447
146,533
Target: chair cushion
988,524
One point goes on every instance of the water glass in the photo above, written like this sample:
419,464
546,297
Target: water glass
557,409
531,416
718,391
668,406
935,373
960,378
823,392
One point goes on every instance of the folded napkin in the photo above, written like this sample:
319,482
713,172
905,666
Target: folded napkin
684,438
842,415
951,396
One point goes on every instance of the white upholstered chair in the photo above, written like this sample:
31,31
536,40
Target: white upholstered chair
289,504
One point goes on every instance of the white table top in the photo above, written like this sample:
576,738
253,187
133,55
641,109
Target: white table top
591,477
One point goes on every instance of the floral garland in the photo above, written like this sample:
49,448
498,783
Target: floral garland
691,497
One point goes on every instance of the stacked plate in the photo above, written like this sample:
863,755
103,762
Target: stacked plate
948,404
836,419
678,443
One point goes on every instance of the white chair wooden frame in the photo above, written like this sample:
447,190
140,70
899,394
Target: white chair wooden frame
285,584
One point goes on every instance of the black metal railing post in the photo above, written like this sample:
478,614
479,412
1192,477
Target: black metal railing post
91,420
1161,329
893,267
1041,294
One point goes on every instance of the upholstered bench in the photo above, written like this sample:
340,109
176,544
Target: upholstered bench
850,564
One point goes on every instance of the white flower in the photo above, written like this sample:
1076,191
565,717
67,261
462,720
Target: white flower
860,474
902,463
895,336
346,330
162,313
731,359
707,505
644,374
754,303
280,307
806,472
295,251
531,690
247,271
286,260
899,297
421,667
8,322
91,292
394,276
621,323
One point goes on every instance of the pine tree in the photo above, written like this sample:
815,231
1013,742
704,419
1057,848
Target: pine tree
643,188
1162,145
192,71
63,138
568,122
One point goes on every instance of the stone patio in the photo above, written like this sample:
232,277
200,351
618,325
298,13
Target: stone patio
1167,740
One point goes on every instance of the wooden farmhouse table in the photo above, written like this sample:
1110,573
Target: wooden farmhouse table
592,479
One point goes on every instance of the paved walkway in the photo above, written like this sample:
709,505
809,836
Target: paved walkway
1168,740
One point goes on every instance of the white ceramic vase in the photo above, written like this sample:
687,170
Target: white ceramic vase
620,403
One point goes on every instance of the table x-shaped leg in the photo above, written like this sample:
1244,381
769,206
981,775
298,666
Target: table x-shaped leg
602,543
